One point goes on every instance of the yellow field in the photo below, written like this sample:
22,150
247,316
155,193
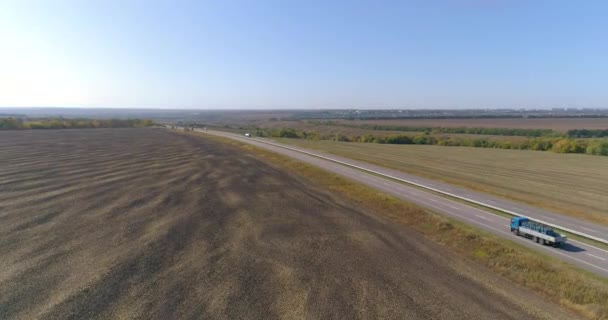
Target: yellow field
573,184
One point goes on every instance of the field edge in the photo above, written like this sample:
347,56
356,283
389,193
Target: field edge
590,216
575,289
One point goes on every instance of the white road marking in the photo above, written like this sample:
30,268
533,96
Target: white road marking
589,254
501,217
583,261
588,245
556,251
548,218
482,217
591,230
477,222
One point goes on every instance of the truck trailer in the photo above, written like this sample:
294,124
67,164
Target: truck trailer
536,231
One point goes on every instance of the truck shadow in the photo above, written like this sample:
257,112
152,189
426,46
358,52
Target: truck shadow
571,248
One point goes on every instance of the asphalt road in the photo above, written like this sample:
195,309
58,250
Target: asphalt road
590,228
580,254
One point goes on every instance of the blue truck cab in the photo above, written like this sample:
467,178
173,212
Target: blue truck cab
536,231
516,222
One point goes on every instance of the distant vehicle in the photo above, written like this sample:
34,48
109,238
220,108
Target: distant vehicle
248,135
536,231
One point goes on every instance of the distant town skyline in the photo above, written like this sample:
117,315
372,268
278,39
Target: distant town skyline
458,54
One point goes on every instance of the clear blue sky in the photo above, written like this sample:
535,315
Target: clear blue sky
288,54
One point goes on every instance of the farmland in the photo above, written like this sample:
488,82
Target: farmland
147,223
557,124
345,131
337,128
571,140
572,184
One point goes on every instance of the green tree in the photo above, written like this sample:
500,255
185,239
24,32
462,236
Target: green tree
598,148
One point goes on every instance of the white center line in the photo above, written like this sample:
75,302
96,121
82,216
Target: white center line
591,230
485,218
448,212
589,254
586,244
548,218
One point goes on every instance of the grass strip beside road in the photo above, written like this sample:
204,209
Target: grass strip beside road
571,287
556,182
571,236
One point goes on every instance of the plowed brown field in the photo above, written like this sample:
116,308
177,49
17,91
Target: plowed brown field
151,224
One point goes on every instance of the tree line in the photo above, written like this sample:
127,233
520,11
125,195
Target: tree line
468,130
12,123
555,144
587,133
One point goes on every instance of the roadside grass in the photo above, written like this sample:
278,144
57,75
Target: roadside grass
571,236
572,184
572,288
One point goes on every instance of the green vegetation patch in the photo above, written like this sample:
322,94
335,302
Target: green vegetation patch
598,146
586,133
467,130
11,123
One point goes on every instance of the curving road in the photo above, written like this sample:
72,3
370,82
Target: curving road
581,254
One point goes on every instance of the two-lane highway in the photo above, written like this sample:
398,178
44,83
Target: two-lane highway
582,227
583,255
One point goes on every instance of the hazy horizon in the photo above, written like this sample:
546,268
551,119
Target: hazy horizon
289,109
273,55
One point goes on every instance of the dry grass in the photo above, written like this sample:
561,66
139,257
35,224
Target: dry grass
573,184
557,124
573,288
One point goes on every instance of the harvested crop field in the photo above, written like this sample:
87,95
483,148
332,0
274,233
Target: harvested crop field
573,184
557,124
152,224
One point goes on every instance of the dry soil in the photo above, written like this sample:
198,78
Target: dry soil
151,224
